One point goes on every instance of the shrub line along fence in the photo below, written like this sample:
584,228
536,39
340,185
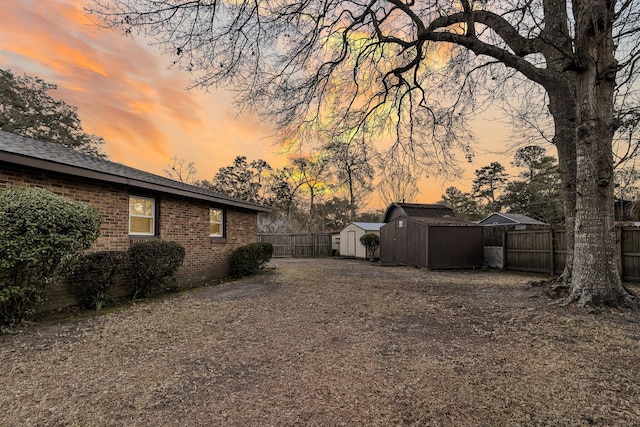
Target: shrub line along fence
298,245
542,250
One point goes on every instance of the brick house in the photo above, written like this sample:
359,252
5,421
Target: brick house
136,205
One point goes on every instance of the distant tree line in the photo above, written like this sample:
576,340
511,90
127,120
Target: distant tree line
319,193
535,192
314,193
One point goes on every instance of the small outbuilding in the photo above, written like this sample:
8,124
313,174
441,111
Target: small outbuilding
350,245
444,242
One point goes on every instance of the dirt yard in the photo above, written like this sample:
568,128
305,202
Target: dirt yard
331,343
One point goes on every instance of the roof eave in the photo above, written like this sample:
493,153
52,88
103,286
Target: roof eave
78,172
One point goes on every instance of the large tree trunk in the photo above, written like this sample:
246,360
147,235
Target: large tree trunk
562,106
595,280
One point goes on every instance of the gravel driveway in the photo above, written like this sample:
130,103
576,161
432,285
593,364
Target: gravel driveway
329,342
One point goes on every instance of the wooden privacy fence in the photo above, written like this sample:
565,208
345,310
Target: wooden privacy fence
539,250
544,251
298,245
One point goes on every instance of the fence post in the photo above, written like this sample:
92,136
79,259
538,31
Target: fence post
315,250
619,234
552,252
294,250
504,249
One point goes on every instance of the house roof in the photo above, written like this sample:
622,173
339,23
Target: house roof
31,153
369,226
509,218
418,210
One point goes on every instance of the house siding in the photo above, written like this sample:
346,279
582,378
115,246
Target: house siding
182,220
496,220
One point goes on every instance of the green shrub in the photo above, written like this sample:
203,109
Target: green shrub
371,241
250,259
153,264
39,232
94,276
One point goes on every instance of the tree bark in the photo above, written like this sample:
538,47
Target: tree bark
563,108
596,280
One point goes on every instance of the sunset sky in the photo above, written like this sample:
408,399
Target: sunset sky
126,93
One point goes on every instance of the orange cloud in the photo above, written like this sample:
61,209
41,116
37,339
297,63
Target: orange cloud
125,93
122,89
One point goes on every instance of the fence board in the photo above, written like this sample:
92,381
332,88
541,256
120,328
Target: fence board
630,253
529,250
544,251
298,245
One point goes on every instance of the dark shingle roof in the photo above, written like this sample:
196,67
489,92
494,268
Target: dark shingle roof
417,210
513,218
47,156
446,220
422,211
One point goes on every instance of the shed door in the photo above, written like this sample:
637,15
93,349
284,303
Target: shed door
351,243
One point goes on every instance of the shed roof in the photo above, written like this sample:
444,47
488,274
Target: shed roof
418,210
509,218
446,220
369,226
31,153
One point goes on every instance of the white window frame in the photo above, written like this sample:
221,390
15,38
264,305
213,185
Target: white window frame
221,234
153,215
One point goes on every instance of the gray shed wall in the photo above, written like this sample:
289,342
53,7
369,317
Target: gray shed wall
455,247
434,246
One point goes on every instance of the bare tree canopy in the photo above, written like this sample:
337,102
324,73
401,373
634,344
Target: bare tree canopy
181,170
411,73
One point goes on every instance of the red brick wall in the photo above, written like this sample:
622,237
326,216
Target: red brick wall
182,220
187,222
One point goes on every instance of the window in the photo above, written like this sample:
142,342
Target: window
141,216
216,223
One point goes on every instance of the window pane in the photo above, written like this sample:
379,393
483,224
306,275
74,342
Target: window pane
215,229
215,222
140,207
141,225
141,215
215,215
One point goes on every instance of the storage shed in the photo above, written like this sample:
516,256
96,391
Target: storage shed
431,242
350,238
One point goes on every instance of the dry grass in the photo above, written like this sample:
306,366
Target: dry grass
332,342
